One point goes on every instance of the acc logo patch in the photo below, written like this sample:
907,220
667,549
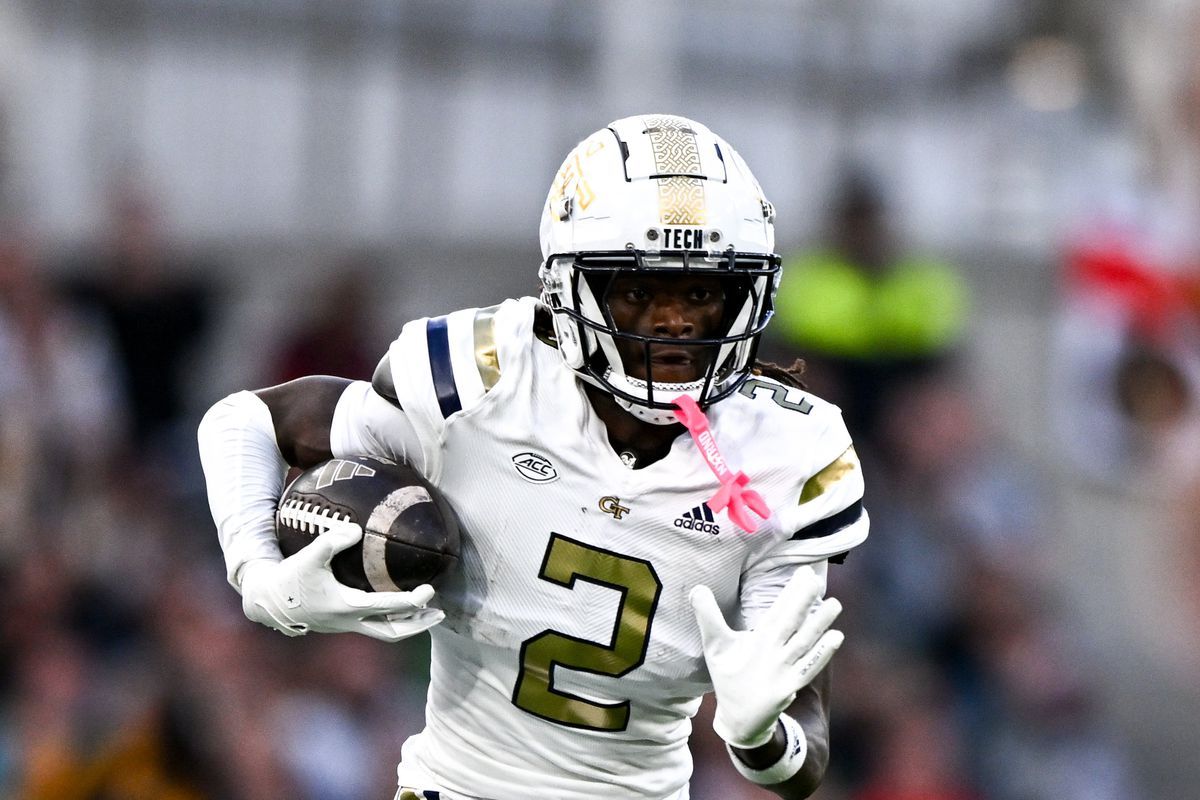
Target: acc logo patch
535,468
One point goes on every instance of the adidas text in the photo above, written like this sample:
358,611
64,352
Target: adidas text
699,518
697,525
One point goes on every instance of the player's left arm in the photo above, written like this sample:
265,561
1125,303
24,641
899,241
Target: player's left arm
811,710
758,673
770,680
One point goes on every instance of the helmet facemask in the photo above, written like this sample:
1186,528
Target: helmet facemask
577,287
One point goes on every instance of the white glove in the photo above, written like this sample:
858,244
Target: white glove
299,594
757,673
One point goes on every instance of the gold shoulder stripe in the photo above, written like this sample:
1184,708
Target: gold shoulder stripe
818,484
486,358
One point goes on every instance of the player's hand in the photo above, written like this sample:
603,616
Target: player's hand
299,594
757,673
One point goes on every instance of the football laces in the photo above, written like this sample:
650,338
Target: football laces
308,517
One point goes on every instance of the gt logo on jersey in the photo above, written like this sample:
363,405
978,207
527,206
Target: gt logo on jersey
699,518
339,470
535,468
612,505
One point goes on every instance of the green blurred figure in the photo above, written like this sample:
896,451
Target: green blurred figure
866,317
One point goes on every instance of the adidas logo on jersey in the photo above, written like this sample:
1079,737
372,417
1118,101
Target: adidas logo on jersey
699,518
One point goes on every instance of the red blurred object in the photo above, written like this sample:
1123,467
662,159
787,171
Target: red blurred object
1154,297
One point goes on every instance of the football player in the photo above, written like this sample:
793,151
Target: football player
647,513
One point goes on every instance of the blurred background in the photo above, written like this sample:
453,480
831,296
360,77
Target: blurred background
991,217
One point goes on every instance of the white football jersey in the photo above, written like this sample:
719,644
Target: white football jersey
569,664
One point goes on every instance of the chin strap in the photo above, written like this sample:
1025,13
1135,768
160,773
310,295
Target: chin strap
655,416
656,391
734,492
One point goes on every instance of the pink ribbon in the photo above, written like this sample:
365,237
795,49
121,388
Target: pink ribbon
734,492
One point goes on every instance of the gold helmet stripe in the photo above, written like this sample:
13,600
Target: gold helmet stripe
680,198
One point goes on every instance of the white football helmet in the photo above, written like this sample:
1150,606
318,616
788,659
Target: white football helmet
656,194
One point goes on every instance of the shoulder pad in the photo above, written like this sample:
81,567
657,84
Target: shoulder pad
383,383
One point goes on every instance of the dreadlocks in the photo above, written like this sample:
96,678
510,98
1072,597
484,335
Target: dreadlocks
788,376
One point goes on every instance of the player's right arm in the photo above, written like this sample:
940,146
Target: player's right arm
247,441
302,416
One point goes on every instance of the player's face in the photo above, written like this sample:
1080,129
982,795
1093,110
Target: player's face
675,307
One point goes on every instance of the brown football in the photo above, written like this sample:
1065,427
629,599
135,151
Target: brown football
410,532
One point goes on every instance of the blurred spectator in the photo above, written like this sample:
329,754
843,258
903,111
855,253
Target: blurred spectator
157,306
62,415
916,759
1043,738
942,458
962,668
865,315
1125,375
1185,561
341,729
945,493
130,698
336,335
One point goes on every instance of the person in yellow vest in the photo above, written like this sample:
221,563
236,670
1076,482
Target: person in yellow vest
864,315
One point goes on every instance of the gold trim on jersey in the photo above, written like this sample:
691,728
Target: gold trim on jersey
405,793
680,198
818,484
486,358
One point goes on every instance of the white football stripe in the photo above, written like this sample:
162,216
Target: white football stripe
374,539
375,562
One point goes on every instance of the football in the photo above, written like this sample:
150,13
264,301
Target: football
410,533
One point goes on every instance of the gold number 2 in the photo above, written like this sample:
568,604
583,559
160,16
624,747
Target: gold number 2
567,561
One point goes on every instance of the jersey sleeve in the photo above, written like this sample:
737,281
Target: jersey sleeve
365,423
822,518
446,366
762,584
827,517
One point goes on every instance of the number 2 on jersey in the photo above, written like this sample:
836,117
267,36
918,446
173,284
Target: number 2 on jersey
778,394
567,561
